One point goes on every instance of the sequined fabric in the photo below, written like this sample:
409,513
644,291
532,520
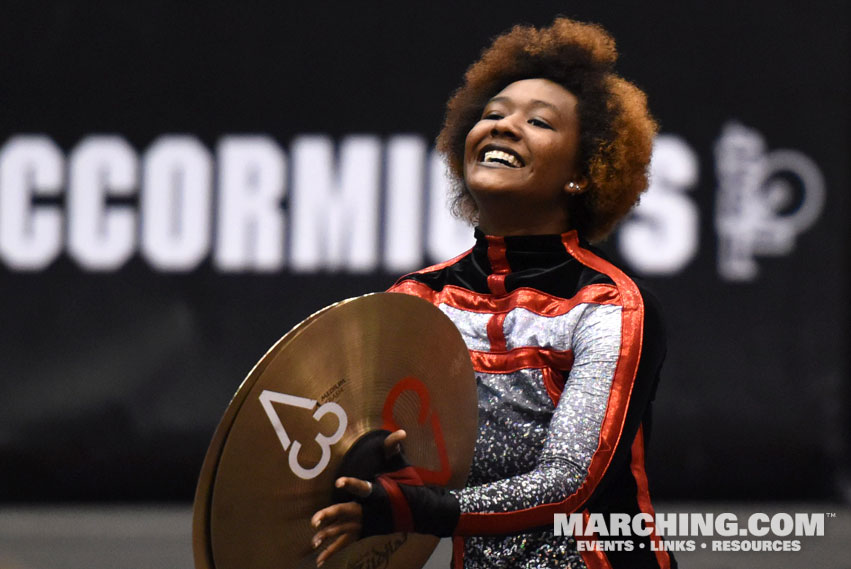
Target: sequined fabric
530,452
527,551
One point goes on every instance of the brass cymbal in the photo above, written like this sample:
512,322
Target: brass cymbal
378,361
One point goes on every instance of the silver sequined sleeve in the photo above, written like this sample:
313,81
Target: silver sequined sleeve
558,458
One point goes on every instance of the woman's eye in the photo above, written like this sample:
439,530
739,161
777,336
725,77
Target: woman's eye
540,123
492,116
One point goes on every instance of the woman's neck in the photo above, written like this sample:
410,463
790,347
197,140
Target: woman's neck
515,223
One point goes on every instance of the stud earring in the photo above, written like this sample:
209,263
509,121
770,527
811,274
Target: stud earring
574,186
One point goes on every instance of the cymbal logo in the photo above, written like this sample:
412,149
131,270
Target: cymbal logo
426,413
292,447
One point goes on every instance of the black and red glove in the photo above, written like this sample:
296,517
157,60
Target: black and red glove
399,502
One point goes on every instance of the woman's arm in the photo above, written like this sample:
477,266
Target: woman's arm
617,355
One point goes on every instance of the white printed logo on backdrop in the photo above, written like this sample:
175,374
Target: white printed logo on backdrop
764,200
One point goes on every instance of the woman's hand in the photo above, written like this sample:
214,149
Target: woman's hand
341,524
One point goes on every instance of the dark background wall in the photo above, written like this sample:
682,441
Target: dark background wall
112,379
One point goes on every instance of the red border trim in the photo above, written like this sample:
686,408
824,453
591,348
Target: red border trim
525,357
438,266
593,558
458,552
643,495
532,300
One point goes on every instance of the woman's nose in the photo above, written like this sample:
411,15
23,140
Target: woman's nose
505,126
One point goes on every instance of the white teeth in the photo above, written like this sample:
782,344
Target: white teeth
502,157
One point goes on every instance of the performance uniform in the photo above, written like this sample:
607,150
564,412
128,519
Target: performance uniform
567,353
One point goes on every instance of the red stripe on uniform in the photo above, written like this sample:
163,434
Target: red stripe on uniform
439,266
593,558
496,334
458,552
532,300
643,495
499,265
521,358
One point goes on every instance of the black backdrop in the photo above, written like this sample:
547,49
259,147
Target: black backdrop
112,379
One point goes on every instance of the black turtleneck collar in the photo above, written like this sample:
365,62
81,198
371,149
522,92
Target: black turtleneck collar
523,243
520,252
499,265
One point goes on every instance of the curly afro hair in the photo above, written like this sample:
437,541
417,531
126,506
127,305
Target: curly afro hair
616,129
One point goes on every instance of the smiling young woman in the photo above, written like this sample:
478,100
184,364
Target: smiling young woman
548,150
520,159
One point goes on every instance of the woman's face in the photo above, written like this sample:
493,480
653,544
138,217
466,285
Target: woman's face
524,147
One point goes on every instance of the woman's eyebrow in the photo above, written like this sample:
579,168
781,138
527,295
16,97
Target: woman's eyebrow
532,103
545,104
